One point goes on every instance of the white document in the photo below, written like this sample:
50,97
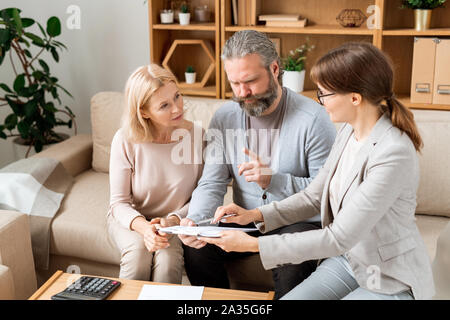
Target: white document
202,231
174,292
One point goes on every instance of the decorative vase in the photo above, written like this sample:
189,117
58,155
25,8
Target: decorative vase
294,80
166,16
190,77
422,19
202,14
184,18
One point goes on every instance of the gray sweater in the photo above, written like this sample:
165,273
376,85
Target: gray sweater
304,143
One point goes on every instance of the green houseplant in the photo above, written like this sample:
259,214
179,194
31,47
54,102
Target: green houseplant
34,91
423,4
294,67
422,11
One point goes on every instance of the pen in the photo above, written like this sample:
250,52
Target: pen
211,219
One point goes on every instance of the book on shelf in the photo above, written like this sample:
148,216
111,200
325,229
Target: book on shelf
242,8
247,12
234,10
280,17
255,9
298,24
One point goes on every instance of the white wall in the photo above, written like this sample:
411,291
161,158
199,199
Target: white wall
112,41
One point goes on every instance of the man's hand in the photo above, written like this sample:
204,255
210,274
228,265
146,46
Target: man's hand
240,215
255,170
190,241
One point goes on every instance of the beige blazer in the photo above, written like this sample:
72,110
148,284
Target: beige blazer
375,224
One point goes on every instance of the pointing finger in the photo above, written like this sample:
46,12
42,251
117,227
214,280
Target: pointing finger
251,154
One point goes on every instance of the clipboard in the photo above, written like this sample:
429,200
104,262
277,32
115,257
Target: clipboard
202,231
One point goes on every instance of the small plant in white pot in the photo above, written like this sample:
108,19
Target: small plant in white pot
184,15
190,75
294,68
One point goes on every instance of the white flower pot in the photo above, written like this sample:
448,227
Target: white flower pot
184,18
294,80
190,77
166,17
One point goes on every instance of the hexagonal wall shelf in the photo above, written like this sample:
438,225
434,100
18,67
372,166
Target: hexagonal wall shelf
196,53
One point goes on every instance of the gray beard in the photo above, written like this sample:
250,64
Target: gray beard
262,101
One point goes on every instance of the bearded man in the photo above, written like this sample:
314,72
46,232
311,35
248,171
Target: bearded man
270,141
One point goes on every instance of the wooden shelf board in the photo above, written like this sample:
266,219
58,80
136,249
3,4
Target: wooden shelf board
413,32
406,100
192,26
314,29
209,91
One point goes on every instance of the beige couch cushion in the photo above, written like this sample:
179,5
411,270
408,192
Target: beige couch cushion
201,110
79,228
441,265
106,112
430,228
433,196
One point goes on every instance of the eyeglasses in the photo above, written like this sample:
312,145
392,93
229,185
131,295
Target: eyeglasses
320,96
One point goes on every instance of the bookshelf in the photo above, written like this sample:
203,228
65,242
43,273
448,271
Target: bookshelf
162,37
394,35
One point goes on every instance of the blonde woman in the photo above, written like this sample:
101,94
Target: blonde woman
149,187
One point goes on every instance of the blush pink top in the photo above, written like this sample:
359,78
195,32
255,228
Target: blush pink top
153,180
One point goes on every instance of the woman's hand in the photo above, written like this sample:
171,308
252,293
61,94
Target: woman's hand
153,240
240,215
190,241
237,241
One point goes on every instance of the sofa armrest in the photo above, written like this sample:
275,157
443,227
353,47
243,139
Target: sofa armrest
16,252
75,153
6,284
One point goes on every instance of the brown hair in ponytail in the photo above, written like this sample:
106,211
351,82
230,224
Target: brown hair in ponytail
362,68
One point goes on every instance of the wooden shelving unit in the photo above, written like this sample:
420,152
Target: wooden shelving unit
162,37
395,36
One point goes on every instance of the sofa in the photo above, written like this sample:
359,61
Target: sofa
80,242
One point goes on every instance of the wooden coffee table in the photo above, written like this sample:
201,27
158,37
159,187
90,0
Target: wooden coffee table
130,289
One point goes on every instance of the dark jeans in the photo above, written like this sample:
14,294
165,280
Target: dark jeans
206,266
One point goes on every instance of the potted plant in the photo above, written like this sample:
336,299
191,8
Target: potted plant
33,94
294,68
190,75
184,15
422,11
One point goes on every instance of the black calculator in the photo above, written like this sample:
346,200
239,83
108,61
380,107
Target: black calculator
88,288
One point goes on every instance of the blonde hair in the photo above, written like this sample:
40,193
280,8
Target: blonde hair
141,85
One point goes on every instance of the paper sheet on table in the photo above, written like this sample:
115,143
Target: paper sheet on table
203,231
162,292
